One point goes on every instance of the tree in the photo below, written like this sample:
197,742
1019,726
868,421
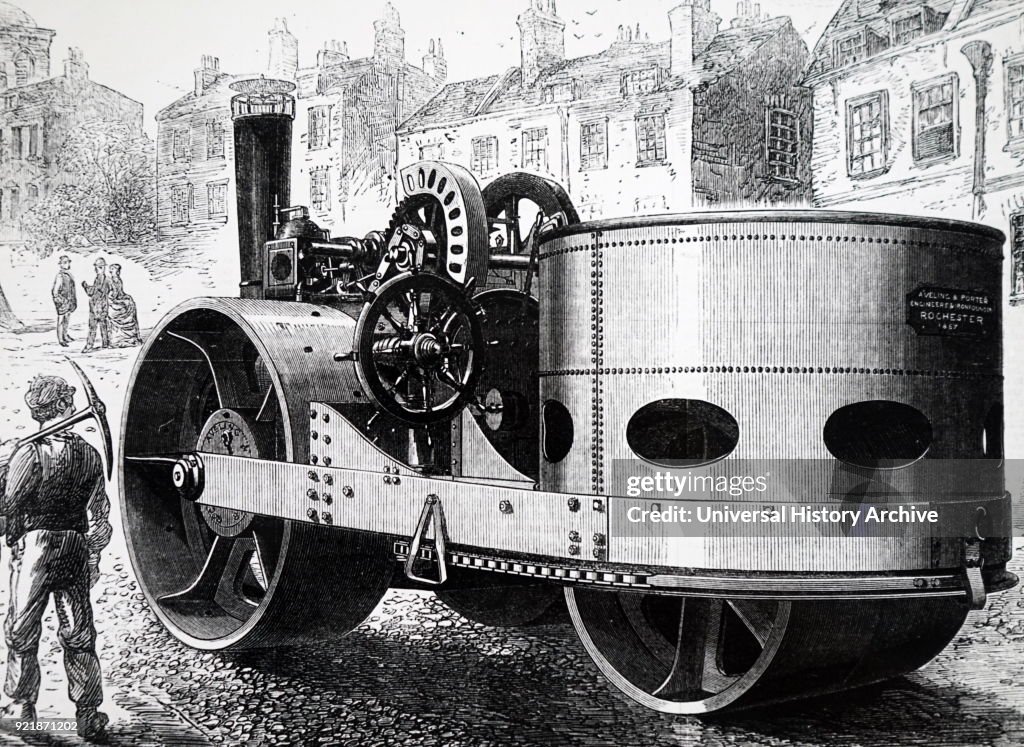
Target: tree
105,173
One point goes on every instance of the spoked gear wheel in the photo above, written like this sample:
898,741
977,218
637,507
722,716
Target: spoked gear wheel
445,200
218,578
420,348
691,655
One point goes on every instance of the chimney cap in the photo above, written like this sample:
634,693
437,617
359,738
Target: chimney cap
262,86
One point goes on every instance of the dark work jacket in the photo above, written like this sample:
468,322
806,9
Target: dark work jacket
54,485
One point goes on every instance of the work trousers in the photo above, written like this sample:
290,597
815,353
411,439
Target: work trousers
45,563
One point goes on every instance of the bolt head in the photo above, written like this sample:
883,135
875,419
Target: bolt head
574,504
347,491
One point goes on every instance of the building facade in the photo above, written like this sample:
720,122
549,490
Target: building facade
919,106
343,159
195,159
712,117
38,113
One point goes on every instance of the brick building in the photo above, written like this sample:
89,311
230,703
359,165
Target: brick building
343,155
710,117
37,112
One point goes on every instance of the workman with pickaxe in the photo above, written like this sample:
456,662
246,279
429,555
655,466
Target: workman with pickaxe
55,510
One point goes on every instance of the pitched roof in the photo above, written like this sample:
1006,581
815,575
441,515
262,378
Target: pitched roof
876,16
981,7
187,103
58,88
591,77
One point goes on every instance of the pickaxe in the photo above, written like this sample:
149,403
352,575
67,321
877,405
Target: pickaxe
94,409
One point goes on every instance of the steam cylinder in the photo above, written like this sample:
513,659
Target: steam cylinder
262,112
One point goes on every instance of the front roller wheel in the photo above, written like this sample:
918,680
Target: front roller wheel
693,655
218,578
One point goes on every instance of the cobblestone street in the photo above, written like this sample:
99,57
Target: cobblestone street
418,673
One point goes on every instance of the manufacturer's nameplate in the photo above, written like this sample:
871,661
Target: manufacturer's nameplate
951,312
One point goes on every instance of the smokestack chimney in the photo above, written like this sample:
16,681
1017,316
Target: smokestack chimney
262,111
693,27
333,53
206,73
434,63
284,51
541,39
75,66
389,39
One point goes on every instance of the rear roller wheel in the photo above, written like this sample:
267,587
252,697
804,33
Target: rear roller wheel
692,655
219,578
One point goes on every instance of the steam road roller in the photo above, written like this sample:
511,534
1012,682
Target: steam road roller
496,401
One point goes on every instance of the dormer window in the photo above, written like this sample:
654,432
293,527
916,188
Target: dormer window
639,81
850,49
907,28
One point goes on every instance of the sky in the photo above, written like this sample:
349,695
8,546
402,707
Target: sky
147,49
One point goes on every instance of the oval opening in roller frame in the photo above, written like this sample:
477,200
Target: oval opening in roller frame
682,433
878,434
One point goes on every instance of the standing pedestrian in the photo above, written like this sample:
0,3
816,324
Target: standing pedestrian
65,299
56,511
99,303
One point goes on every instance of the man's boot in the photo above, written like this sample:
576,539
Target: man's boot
92,724
18,711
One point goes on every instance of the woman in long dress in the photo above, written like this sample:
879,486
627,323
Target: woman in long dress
123,317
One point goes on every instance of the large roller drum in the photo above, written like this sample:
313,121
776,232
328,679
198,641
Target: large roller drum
234,376
831,344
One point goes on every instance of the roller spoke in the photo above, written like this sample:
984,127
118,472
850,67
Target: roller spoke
756,617
691,654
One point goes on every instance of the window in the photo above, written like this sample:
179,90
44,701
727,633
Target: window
593,145
485,154
32,194
850,50
1017,254
3,80
214,139
24,68
11,101
639,81
13,201
535,149
935,119
650,139
217,199
867,125
320,189
319,127
24,142
908,28
783,144
433,152
181,203
1015,97
180,145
